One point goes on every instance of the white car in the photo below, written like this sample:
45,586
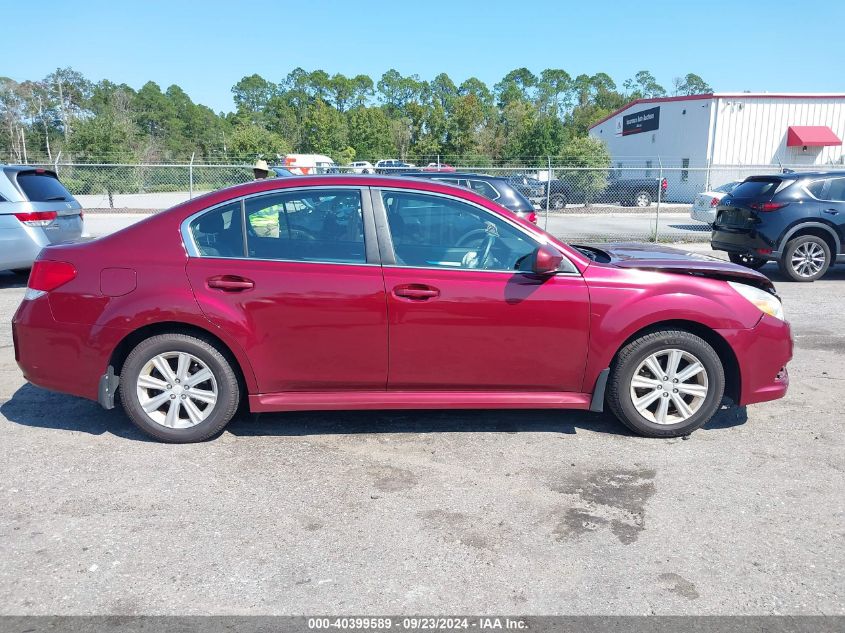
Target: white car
361,167
704,205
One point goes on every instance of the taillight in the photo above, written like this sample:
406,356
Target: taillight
47,275
37,218
532,217
664,185
714,202
767,206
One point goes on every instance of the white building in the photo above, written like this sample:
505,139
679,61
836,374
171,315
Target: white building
702,140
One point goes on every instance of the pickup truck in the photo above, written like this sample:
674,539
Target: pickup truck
629,192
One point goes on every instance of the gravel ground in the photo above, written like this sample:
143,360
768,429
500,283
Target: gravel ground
438,512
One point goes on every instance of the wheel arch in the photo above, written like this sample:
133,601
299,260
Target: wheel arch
819,229
730,363
121,351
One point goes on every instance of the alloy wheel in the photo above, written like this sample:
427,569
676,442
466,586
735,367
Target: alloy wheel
669,386
642,200
177,390
808,259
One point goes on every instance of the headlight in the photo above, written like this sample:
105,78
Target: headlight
767,303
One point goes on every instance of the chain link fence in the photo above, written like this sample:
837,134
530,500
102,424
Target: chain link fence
625,203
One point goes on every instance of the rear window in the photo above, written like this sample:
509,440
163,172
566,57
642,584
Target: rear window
756,188
42,187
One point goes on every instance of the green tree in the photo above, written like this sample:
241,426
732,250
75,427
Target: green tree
585,151
369,133
251,95
692,84
643,86
324,130
554,91
250,140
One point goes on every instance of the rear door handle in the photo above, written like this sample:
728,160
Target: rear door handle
230,283
832,211
416,292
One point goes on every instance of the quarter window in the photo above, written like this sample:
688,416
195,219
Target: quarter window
484,189
319,226
817,188
837,190
437,232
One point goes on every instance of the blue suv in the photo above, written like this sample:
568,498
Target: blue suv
795,219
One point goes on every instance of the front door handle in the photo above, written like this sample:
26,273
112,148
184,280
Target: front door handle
416,292
832,211
230,283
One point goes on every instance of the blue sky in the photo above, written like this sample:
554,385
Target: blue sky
206,47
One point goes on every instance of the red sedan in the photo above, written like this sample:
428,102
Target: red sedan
374,292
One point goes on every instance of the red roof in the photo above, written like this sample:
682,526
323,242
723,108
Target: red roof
811,136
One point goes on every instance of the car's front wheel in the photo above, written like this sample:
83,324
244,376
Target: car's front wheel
179,388
666,383
749,261
805,258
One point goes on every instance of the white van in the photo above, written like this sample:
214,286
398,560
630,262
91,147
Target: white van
301,164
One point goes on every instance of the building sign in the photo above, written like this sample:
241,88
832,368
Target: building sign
642,121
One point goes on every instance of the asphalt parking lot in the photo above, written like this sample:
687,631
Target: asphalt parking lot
526,512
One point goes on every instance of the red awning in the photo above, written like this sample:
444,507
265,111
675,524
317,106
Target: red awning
811,136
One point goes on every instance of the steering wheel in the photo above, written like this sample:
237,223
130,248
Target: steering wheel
490,238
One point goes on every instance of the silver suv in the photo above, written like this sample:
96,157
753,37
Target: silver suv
35,210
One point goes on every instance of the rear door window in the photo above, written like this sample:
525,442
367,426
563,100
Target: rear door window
42,187
307,226
756,188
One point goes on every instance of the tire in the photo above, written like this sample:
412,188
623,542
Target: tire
641,199
805,258
203,356
558,202
21,272
632,361
749,261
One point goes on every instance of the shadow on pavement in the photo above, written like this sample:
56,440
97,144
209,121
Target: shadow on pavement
35,407
11,280
417,421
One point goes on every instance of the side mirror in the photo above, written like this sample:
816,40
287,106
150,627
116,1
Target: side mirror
546,261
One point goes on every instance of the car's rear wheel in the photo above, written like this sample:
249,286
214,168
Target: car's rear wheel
21,272
179,388
749,261
558,202
666,383
805,258
642,199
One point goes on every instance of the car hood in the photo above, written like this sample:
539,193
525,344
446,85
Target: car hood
673,260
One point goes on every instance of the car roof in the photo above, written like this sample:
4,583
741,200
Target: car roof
454,174
797,175
20,168
269,185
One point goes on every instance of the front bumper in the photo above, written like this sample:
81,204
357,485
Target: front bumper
762,353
